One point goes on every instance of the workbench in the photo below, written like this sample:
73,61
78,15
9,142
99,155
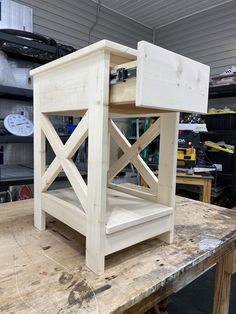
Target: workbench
203,181
45,272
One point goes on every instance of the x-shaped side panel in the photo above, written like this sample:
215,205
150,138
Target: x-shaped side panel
131,153
63,157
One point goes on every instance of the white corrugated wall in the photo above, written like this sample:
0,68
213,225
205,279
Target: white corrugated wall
209,37
69,21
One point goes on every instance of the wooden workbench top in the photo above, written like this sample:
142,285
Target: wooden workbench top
44,272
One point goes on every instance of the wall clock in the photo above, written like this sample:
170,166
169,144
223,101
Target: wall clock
18,125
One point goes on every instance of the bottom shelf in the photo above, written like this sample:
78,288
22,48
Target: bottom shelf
125,211
129,219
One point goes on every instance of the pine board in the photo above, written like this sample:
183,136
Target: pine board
45,272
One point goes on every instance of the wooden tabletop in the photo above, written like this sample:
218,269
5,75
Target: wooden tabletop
201,175
44,272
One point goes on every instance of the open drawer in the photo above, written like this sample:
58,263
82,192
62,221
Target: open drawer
161,79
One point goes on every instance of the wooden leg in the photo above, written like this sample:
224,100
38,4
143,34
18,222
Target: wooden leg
39,168
167,165
97,169
97,190
206,192
224,270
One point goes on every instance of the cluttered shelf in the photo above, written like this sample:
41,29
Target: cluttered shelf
21,174
222,91
11,175
9,138
221,136
21,52
31,47
18,93
224,84
220,143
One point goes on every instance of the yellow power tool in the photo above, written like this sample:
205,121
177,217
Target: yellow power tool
186,157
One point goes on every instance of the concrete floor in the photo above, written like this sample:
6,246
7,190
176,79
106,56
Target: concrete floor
197,297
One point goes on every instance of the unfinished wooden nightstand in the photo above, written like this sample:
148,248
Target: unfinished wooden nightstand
100,82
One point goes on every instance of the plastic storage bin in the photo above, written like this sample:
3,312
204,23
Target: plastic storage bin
220,121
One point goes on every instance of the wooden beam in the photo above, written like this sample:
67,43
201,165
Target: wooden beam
77,137
168,158
230,265
76,181
67,113
131,110
97,162
119,60
125,65
51,173
135,190
167,164
135,149
147,174
51,135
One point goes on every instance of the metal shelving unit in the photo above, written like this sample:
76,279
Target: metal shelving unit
16,93
45,54
229,135
25,43
12,139
222,91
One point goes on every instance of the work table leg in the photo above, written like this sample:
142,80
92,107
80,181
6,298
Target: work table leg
206,191
224,270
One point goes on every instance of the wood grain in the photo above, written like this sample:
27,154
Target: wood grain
167,80
79,83
97,163
51,264
222,288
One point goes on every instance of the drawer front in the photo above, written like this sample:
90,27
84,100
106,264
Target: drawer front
169,81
